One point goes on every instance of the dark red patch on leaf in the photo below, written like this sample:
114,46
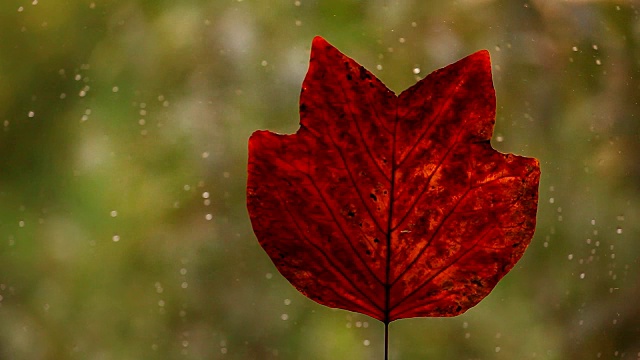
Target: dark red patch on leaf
392,206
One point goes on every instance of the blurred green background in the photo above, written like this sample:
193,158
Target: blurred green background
123,135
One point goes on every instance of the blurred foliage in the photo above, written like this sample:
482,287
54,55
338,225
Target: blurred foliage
123,133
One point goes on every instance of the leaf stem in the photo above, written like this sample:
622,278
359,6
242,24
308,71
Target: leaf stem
386,340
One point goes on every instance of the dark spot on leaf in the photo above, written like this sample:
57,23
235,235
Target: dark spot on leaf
351,213
373,197
364,74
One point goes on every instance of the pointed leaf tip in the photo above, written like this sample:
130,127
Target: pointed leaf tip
319,42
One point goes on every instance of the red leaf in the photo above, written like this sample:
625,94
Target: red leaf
392,206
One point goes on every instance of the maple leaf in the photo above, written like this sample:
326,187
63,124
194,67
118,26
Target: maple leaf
392,206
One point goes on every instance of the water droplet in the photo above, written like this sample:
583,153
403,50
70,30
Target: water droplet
116,238
366,343
287,301
570,257
582,275
416,70
114,213
284,317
